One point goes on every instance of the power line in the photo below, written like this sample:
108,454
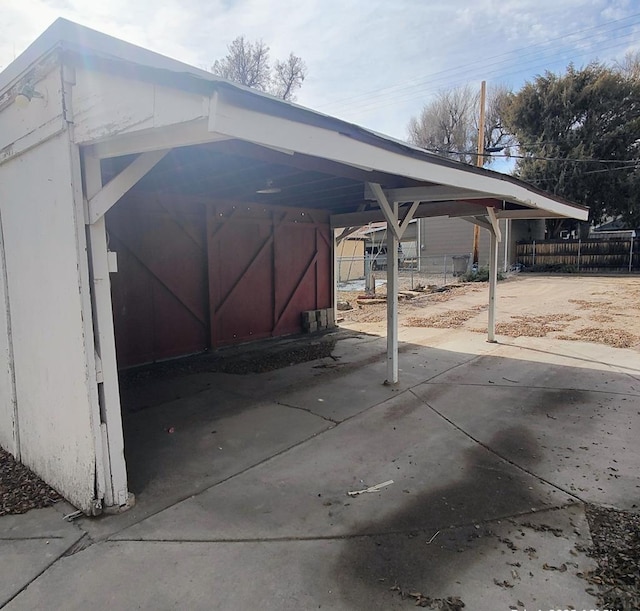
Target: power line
427,83
534,157
375,105
467,68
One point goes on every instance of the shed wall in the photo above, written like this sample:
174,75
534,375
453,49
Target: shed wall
7,391
196,274
52,385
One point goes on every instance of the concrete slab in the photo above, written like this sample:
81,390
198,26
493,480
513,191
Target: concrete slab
29,544
182,447
494,566
45,523
441,478
584,421
342,394
590,367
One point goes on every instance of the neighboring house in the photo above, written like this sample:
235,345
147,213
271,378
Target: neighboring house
350,254
451,236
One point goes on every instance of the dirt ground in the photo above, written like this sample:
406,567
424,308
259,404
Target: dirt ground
601,309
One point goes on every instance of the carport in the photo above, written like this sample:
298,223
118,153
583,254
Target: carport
150,210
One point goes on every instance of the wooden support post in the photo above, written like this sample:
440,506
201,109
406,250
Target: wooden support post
493,282
116,492
392,304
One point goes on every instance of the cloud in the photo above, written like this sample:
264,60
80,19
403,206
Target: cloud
375,63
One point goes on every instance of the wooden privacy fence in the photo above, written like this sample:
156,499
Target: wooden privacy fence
592,255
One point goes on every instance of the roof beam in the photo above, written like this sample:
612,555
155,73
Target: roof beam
425,194
424,210
479,221
120,184
525,214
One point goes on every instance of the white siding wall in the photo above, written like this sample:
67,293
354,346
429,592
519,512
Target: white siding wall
41,251
451,236
7,391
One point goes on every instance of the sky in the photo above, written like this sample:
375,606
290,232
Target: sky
370,62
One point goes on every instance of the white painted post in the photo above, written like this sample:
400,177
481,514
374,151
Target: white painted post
392,303
507,223
335,274
633,235
493,281
116,492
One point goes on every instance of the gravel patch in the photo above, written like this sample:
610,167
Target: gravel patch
612,337
21,489
532,326
445,320
616,549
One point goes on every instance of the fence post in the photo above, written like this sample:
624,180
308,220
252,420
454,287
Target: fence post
631,253
534,254
444,260
579,252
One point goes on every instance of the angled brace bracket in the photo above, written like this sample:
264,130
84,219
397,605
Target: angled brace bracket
109,195
495,226
397,228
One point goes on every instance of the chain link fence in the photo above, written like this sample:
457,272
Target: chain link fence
358,273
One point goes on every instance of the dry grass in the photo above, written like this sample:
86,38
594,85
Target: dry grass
612,337
532,326
584,304
444,320
601,318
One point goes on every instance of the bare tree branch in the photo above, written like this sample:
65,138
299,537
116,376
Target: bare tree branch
288,76
449,124
247,63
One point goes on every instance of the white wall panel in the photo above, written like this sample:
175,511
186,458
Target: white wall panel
7,391
52,385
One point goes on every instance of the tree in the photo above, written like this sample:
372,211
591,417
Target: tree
579,133
248,64
449,124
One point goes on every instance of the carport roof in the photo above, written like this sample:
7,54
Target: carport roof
283,134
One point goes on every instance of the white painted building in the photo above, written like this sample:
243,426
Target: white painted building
98,140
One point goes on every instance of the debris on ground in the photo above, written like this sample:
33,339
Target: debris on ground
444,320
450,603
532,326
260,359
616,549
375,488
21,489
343,304
612,337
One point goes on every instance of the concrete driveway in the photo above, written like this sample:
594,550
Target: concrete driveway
242,484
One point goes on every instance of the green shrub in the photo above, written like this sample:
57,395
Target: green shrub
550,268
479,275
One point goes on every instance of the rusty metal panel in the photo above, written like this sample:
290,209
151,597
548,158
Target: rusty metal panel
159,293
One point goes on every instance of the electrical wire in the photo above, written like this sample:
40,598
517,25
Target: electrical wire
514,55
535,158
417,90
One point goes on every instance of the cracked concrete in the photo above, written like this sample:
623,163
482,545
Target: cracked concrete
493,449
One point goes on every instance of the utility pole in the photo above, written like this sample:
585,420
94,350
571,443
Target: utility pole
479,163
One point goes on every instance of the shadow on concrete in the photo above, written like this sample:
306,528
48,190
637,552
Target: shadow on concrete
378,565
